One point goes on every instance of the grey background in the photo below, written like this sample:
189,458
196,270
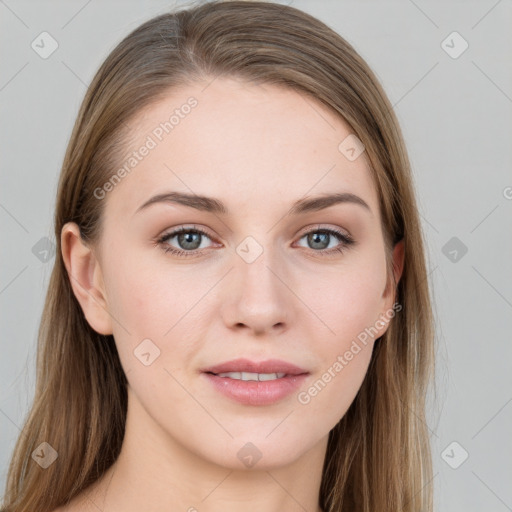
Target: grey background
456,117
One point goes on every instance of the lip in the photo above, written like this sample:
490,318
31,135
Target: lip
256,392
245,365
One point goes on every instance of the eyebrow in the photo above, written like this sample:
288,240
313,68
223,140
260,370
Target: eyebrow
210,204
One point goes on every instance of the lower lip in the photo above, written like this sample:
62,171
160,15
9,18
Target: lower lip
251,392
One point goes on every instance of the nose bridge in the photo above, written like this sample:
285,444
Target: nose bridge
257,265
258,297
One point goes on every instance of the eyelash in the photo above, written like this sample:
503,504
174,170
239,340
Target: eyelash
346,240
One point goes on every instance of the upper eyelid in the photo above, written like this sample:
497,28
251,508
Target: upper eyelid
176,231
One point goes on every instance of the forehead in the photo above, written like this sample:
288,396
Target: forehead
243,143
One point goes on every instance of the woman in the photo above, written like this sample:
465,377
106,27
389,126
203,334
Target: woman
239,315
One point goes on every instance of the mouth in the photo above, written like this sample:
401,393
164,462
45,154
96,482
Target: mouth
251,383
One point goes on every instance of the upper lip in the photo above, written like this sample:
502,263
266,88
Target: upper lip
245,365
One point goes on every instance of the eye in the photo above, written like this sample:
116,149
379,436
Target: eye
320,238
190,240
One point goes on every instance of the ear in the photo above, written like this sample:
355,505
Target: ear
86,279
389,294
398,264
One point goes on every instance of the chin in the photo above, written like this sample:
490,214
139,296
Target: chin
259,451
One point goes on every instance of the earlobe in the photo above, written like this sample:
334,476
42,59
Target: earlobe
86,279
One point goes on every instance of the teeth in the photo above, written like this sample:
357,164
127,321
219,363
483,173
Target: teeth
252,376
269,376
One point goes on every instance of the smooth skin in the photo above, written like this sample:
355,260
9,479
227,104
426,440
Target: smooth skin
258,149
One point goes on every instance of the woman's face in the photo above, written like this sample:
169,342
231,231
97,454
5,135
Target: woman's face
267,281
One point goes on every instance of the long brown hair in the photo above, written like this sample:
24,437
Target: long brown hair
378,455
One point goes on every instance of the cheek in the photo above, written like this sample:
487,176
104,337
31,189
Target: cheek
155,303
147,301
329,394
349,304
350,300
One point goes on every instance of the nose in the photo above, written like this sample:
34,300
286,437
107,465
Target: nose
258,297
